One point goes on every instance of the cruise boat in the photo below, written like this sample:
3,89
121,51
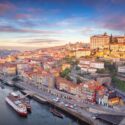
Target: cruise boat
13,100
24,100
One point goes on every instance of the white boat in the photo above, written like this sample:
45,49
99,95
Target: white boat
13,100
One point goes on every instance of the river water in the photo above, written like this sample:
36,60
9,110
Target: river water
40,113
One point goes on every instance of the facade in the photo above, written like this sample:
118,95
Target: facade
91,66
10,59
120,39
82,53
121,69
21,67
9,69
44,79
97,65
67,86
62,84
99,41
104,80
89,90
75,89
92,70
116,47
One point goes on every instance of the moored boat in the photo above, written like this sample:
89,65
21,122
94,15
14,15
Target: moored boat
24,100
27,104
16,104
56,113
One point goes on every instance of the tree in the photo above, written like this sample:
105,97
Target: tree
79,80
78,68
101,70
71,60
115,40
111,39
111,68
65,72
119,84
68,78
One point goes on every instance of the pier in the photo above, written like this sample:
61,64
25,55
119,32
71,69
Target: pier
62,108
112,119
83,116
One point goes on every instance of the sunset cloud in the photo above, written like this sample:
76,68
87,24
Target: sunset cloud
55,21
11,29
23,16
6,7
41,41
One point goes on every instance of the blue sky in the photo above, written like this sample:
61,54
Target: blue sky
41,23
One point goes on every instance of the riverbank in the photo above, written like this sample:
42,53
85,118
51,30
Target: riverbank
40,114
83,116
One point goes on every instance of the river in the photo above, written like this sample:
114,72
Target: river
40,113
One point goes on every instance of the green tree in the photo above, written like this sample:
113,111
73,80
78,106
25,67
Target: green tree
111,68
65,72
78,68
119,84
111,38
79,80
101,70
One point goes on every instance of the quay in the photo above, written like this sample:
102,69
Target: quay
34,96
84,117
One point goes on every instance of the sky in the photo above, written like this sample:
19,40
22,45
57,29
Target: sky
44,23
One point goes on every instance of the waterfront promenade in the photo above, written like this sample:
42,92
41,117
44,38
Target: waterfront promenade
80,113
83,111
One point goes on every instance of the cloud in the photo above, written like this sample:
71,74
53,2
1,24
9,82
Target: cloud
6,7
86,30
118,1
11,29
40,41
70,21
23,16
35,10
113,22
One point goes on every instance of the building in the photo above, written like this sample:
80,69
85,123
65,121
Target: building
2,60
120,39
82,53
10,59
88,65
42,78
121,69
21,67
67,86
104,80
62,84
117,47
10,69
55,71
97,65
99,41
89,90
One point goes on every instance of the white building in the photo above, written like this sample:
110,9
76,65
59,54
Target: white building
121,69
98,65
84,62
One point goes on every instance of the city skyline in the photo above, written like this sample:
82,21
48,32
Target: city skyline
45,23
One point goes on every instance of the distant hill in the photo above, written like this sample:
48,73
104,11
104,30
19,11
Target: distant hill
5,52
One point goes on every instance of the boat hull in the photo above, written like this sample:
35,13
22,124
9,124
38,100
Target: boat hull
55,113
21,113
